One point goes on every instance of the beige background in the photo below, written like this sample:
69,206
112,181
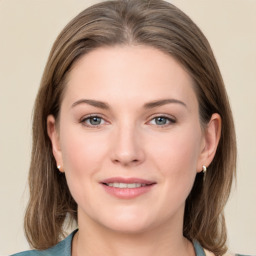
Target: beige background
27,31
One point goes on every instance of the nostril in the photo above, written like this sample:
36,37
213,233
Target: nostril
126,161
126,154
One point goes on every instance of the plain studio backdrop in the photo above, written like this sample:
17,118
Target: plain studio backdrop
27,31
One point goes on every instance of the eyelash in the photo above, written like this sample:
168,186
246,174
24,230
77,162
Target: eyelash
168,119
90,117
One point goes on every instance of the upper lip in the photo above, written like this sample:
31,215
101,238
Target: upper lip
127,180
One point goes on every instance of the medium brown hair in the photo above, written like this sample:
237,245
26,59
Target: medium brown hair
138,22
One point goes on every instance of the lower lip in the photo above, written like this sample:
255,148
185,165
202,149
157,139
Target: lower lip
127,193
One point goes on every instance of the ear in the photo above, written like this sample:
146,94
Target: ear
210,143
53,134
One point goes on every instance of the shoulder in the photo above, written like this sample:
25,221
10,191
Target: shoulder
200,251
26,253
62,248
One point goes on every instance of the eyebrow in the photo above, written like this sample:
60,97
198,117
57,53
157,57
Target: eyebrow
159,103
149,105
94,103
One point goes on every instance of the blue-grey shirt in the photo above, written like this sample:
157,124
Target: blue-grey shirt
63,248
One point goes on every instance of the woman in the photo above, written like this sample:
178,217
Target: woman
133,137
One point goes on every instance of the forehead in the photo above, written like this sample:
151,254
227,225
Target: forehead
129,73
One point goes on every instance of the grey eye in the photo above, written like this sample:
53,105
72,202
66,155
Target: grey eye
94,120
161,120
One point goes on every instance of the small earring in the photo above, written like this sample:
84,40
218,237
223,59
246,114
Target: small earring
204,169
59,167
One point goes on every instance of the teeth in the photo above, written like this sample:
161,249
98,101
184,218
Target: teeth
126,185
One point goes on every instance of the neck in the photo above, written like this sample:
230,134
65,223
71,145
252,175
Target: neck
93,240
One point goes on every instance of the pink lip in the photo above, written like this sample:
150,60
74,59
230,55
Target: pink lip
127,180
127,193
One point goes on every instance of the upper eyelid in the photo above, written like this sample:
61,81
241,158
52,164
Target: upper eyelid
91,115
163,115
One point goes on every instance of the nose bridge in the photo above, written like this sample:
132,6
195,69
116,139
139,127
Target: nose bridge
127,146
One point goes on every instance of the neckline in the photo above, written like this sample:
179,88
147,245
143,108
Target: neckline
197,247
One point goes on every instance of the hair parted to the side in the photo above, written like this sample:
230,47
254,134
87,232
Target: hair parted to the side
131,22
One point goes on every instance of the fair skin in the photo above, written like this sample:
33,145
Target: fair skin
130,115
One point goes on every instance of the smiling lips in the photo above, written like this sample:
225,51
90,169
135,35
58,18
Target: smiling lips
127,188
125,185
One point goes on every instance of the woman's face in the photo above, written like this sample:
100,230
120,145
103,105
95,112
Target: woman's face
129,138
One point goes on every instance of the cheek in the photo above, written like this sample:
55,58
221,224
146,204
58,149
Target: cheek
83,156
176,160
82,153
178,152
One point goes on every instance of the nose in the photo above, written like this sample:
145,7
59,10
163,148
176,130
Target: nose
127,147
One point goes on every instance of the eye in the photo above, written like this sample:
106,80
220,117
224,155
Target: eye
93,121
162,121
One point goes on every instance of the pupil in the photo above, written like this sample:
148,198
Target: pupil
95,120
161,120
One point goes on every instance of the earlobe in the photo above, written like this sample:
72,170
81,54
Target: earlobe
211,140
53,134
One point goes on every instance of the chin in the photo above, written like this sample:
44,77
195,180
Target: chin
128,228
129,223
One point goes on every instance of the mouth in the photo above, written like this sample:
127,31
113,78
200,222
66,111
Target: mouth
127,188
126,185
